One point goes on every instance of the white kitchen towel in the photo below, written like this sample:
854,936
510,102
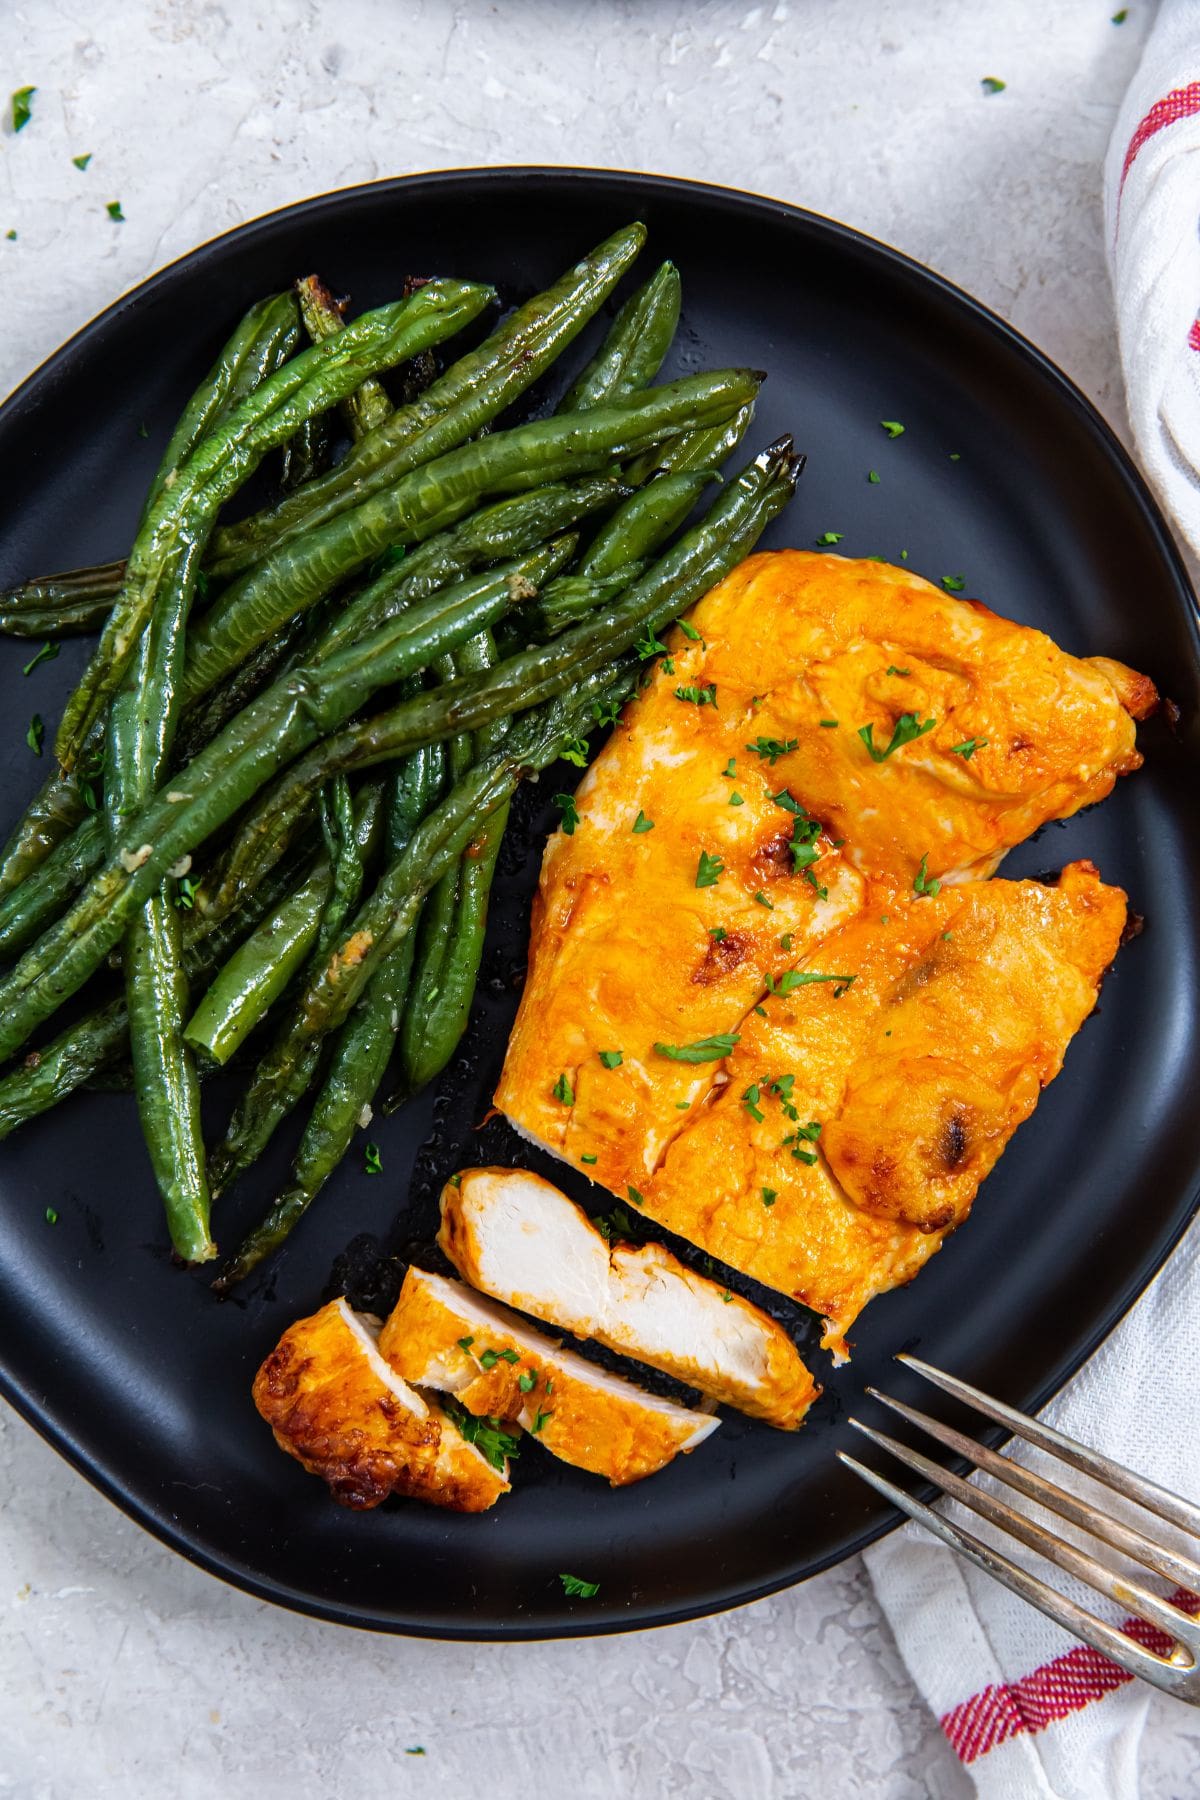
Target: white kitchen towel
1152,227
1032,1713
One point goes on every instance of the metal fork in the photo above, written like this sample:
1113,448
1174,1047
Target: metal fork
1174,1668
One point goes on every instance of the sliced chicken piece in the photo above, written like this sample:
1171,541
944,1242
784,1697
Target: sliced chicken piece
341,1410
861,1111
736,819
443,1335
520,1239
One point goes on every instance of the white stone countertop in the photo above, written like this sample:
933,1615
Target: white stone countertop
124,1671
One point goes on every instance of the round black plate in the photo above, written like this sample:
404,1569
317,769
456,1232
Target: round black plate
129,1366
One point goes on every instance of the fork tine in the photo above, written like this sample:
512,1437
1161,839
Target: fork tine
1128,1655
1115,1475
1130,1594
1113,1532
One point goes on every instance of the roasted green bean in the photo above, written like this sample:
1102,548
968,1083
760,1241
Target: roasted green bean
637,342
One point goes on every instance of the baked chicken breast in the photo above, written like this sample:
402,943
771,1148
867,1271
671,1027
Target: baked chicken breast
442,1335
858,1113
520,1239
342,1411
737,818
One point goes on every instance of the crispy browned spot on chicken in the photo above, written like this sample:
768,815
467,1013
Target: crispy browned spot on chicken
797,653
858,1120
336,1406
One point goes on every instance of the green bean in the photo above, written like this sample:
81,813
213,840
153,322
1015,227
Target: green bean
224,458
467,397
643,522
93,1042
633,352
362,1050
257,973
260,343
412,642
97,585
293,578
701,447
369,405
63,621
307,454
28,909
305,707
211,715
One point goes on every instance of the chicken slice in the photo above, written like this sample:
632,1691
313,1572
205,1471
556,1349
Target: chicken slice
736,819
858,1117
341,1410
520,1239
442,1335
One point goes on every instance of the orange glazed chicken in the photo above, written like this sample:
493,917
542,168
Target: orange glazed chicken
856,1119
826,741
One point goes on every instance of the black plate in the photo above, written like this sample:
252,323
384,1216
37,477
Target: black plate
133,1371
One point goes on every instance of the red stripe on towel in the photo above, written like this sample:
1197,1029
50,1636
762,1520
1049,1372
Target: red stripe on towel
1052,1692
1180,103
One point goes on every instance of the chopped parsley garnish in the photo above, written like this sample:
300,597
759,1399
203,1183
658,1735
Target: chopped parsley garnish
785,942
921,881
490,1358
698,696
736,800
905,731
113,209
372,1161
570,812
642,823
611,1058
769,1196
955,583
185,892
488,1435
617,1223
709,1049
464,1343
771,749
35,737
727,1296
539,1420
47,653
730,769
794,978
830,537
81,162
11,235
955,456
789,804
947,937
828,724
51,1216
893,427
872,476
992,84
606,712
682,1105
761,900
750,1100
575,751
717,933
635,1194
893,670
562,1090
709,870
968,747
689,631
1119,18
578,1589
649,645
22,108
589,1159
527,1381
810,876
668,664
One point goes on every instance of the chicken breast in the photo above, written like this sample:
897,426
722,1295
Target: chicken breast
857,1116
737,819
519,1238
342,1411
442,1335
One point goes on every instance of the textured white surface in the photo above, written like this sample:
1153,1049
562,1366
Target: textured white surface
123,1670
